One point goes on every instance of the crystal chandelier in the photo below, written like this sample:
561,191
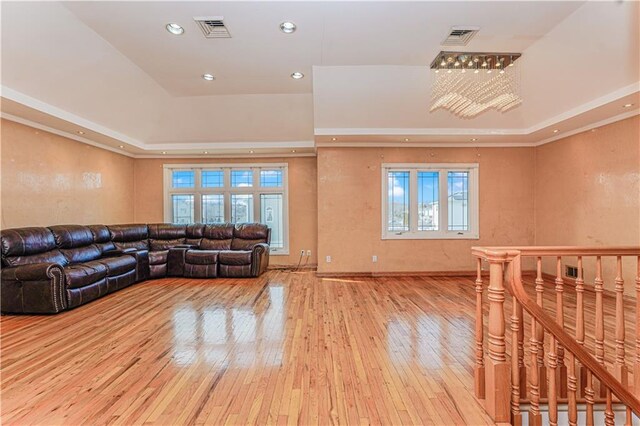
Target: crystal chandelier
467,83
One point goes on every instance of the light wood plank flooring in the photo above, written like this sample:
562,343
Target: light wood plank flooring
284,348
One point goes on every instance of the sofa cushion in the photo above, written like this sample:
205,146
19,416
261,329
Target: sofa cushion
130,236
235,257
118,265
102,237
157,245
195,231
131,232
208,244
71,236
158,257
217,237
83,274
82,254
167,231
26,241
247,235
201,257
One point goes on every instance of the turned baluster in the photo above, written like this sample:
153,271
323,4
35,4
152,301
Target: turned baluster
562,369
628,420
620,367
539,332
516,415
609,416
535,419
496,367
580,322
636,365
572,388
479,368
589,398
552,364
599,337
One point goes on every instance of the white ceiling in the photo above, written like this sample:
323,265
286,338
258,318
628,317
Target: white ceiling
112,69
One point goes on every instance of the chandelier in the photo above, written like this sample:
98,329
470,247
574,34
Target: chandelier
467,83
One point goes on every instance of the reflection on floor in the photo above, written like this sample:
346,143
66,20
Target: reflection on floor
284,348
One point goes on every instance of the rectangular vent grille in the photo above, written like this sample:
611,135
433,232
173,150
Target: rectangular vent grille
571,271
212,27
460,36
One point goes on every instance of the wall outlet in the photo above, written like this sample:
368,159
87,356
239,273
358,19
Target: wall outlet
302,252
308,253
374,258
328,259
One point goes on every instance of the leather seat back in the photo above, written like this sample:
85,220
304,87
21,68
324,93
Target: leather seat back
163,236
217,237
194,234
75,242
25,246
247,235
102,237
130,236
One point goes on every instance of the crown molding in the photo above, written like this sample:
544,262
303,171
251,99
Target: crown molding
61,114
64,134
588,127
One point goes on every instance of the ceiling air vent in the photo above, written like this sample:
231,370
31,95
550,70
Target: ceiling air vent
212,26
460,36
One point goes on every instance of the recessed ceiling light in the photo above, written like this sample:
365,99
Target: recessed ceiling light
122,146
627,105
473,139
287,27
297,75
80,132
251,152
406,139
206,152
334,139
555,130
174,29
164,152
293,150
208,77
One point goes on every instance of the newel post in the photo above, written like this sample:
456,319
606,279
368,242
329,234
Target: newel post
497,380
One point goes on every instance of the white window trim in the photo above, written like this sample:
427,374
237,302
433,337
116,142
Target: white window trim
227,190
442,233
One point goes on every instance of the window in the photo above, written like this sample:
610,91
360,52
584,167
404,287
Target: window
422,201
237,193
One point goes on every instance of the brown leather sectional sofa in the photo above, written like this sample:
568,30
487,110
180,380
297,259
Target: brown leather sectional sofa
52,269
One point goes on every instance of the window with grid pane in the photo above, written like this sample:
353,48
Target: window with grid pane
438,201
238,193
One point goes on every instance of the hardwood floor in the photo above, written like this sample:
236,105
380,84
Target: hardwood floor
285,348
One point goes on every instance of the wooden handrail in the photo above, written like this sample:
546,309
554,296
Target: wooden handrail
568,342
506,253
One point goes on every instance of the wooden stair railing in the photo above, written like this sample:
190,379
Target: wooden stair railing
570,369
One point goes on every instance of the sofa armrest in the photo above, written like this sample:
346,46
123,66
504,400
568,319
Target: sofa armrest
176,260
142,260
33,289
259,259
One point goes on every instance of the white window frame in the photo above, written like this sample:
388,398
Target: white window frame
443,232
198,191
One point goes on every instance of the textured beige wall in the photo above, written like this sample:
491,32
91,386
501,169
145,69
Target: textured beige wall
48,179
303,228
349,208
588,192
